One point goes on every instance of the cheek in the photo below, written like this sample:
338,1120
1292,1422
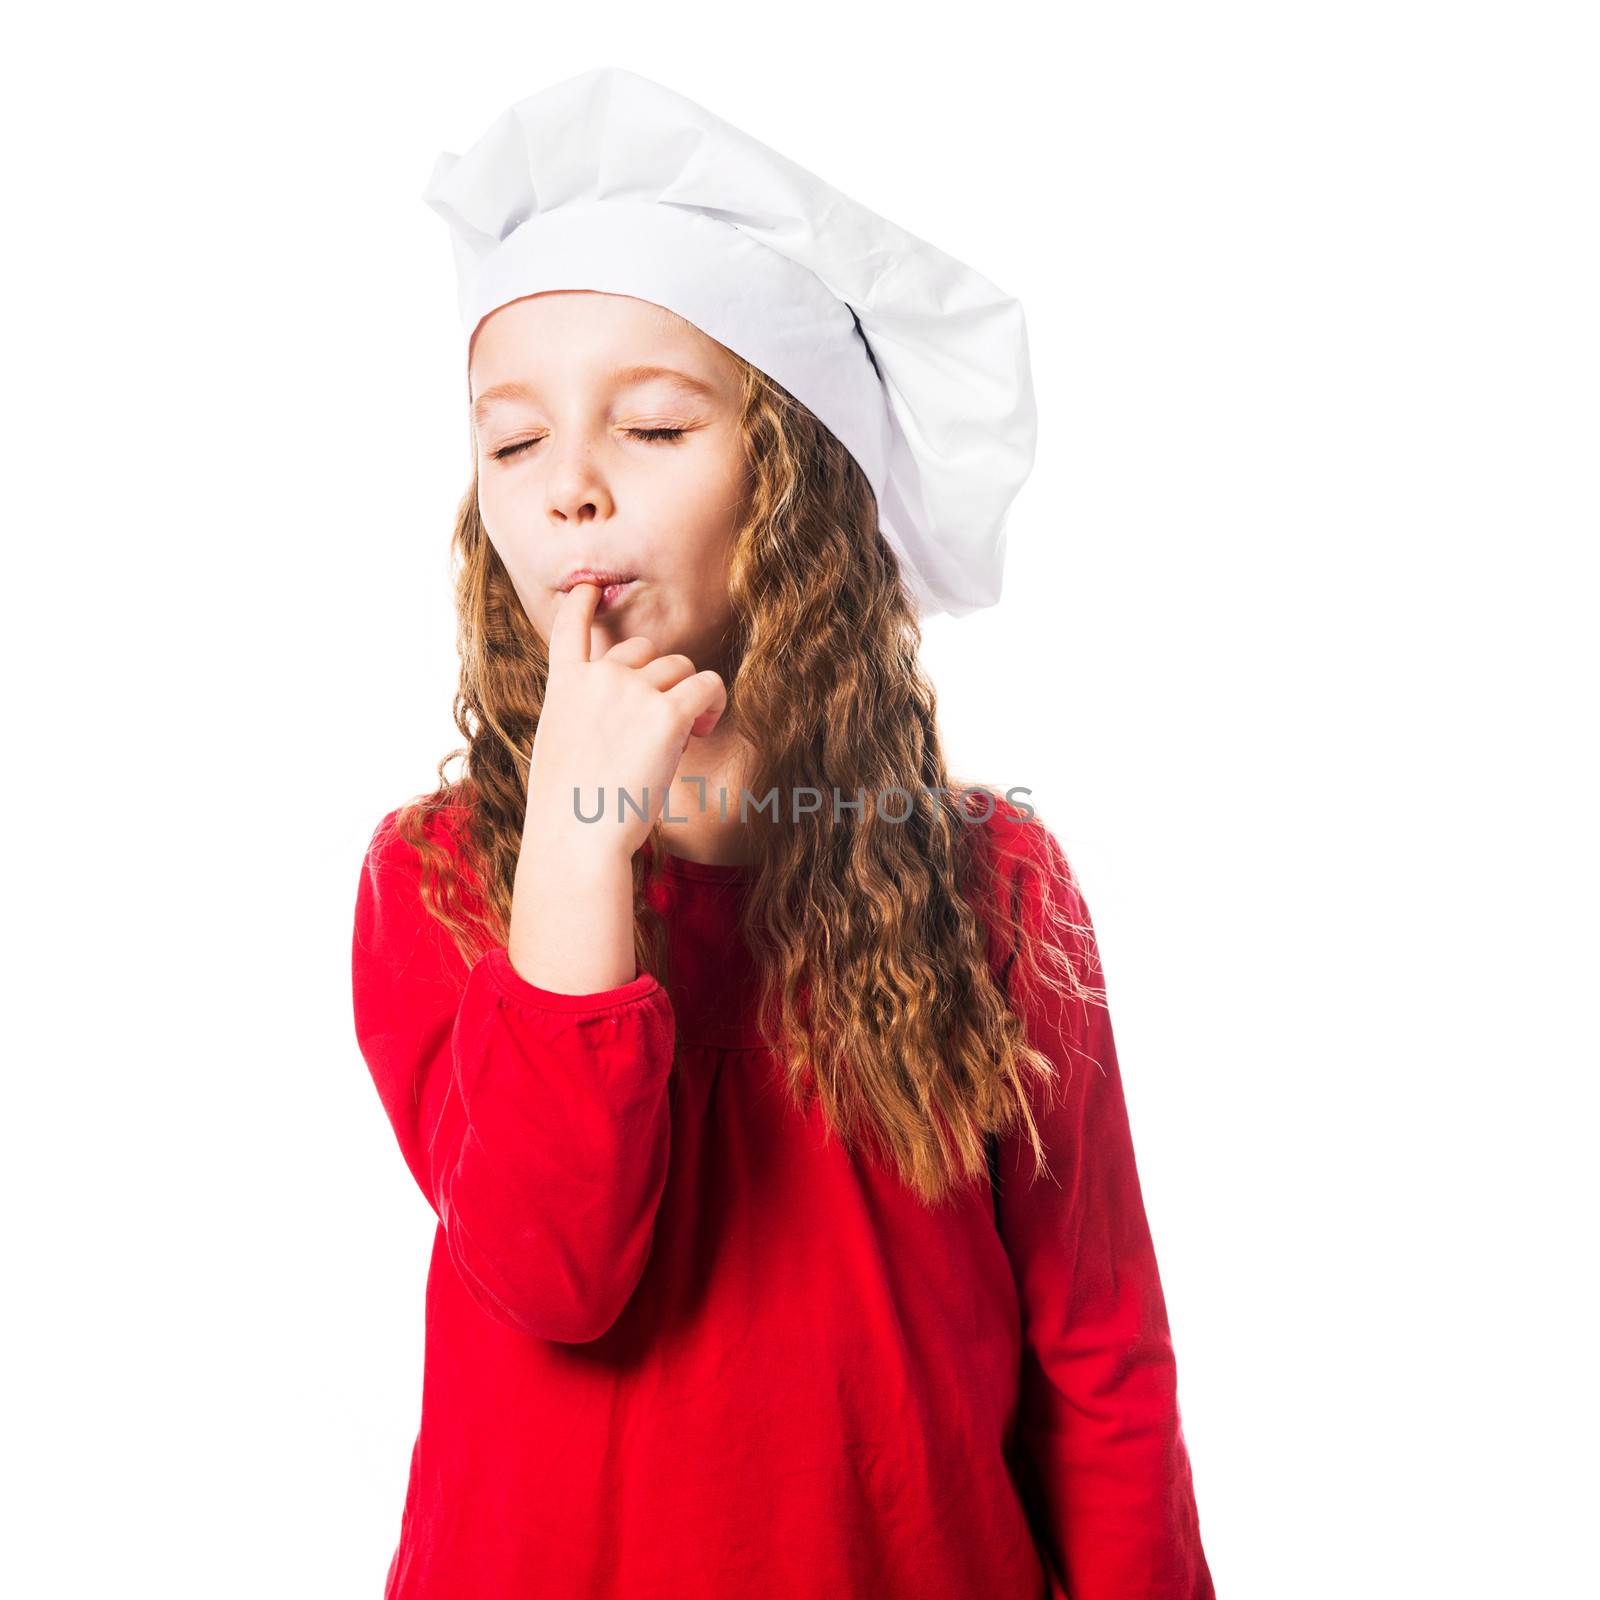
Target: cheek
507,511
497,504
506,526
710,506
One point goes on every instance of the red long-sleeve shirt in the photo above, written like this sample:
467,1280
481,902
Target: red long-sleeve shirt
680,1347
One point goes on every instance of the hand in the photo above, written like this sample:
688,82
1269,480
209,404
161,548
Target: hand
621,721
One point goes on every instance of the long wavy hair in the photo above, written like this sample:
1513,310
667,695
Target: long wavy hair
879,995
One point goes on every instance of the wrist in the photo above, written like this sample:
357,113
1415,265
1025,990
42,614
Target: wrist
580,853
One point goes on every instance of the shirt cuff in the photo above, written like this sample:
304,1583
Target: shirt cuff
517,988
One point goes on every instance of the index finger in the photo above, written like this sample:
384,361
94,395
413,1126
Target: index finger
569,633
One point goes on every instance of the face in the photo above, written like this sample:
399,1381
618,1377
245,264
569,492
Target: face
586,460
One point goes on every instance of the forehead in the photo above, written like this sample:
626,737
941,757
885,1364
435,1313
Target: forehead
515,390
590,337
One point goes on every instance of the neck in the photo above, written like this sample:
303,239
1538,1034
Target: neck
699,831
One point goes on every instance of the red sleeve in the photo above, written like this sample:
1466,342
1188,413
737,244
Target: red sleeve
1101,1441
536,1123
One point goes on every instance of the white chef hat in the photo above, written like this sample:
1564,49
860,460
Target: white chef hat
916,363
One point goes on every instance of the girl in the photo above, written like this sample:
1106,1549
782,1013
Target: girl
790,1241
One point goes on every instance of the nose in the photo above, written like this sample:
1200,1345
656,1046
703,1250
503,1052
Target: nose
574,488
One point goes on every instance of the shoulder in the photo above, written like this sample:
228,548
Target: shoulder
1024,854
423,837
402,834
414,865
1030,896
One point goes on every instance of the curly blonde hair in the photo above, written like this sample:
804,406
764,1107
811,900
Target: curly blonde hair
880,995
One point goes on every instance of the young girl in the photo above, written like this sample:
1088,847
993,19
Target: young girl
790,1241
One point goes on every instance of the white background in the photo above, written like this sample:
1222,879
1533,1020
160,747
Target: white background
1292,653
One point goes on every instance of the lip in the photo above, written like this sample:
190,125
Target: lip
614,586
601,575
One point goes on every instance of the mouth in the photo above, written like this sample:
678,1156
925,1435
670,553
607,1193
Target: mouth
614,587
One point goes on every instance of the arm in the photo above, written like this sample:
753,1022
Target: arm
1100,1438
536,1123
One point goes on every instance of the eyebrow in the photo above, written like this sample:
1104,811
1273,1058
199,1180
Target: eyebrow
623,377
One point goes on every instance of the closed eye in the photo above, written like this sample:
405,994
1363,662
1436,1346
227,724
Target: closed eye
649,435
